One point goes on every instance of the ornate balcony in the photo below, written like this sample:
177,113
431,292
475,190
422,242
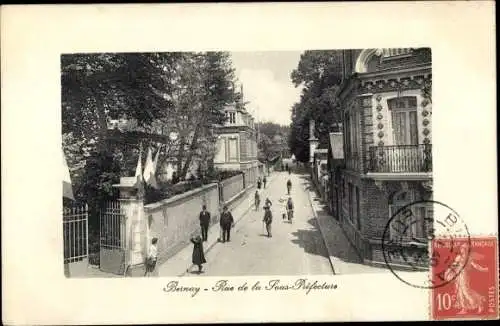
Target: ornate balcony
400,158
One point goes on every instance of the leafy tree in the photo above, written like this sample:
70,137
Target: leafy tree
212,79
268,146
320,74
158,92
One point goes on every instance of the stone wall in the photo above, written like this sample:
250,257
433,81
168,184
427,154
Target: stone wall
173,221
232,186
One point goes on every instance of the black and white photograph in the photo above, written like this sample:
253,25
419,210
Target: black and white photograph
186,164
249,163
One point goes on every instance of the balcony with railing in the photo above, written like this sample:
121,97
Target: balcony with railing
400,158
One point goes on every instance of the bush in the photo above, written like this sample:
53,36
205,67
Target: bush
168,189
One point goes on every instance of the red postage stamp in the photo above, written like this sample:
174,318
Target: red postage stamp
467,271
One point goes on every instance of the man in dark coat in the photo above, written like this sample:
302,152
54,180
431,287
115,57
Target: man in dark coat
268,220
264,181
198,255
226,222
204,222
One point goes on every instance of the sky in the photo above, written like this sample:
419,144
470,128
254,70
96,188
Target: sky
265,77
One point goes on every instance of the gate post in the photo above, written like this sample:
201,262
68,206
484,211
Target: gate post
135,237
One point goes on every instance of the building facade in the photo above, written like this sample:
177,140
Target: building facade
387,151
237,144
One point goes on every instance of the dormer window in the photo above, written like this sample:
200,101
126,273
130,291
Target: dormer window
231,117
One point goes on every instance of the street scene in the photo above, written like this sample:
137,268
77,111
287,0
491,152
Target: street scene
194,164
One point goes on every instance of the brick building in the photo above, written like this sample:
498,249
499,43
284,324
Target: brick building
237,144
387,156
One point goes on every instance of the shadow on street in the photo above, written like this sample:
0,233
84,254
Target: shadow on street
310,240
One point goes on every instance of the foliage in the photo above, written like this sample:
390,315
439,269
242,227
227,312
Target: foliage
320,74
157,93
168,189
272,140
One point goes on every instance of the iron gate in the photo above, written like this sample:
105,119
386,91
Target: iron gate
75,240
112,238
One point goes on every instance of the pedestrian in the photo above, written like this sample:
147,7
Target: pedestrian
204,222
283,202
289,209
268,219
264,181
152,257
226,223
286,167
198,254
259,183
289,186
257,200
268,202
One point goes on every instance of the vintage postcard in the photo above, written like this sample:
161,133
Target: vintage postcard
249,163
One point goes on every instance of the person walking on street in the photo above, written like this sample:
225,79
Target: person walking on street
264,181
198,258
268,202
152,257
289,209
259,183
204,222
268,220
289,186
283,202
257,200
226,223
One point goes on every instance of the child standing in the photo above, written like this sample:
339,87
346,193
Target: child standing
152,257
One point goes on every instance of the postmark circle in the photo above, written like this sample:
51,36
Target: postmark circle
406,253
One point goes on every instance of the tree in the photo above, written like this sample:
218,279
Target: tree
320,74
205,89
268,146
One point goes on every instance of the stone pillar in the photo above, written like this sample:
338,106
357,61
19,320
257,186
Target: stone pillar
136,235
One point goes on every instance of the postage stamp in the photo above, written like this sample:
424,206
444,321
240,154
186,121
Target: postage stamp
470,282
405,250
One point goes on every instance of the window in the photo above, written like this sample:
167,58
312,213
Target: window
347,132
233,149
231,116
358,210
350,193
404,120
412,223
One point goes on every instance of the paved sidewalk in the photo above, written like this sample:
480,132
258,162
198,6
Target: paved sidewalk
343,256
181,262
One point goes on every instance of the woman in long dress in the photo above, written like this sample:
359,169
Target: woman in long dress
467,298
198,257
